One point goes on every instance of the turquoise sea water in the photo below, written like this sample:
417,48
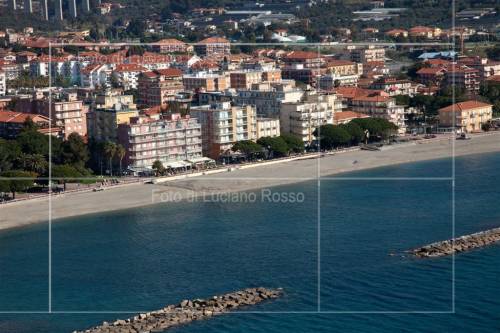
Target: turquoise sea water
143,259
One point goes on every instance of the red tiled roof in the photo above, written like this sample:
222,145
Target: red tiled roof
214,40
302,55
129,68
348,115
169,72
464,106
19,117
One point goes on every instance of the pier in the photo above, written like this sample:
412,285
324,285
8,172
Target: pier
456,245
186,312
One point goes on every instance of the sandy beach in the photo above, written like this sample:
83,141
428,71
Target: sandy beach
245,178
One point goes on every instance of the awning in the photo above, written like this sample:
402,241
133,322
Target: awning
177,164
201,160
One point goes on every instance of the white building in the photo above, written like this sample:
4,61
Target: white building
127,75
268,97
268,127
381,107
303,117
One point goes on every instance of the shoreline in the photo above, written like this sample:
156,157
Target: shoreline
243,178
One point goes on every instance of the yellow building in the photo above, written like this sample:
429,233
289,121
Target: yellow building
469,116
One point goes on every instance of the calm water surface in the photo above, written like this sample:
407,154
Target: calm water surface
143,259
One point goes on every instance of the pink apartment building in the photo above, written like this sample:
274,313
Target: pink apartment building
170,139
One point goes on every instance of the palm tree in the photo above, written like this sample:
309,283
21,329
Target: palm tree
120,153
110,151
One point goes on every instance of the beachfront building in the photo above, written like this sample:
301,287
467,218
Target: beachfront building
159,86
268,127
466,116
381,107
267,97
303,117
203,81
169,139
223,125
102,123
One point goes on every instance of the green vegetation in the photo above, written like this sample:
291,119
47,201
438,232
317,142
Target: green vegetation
28,157
270,147
353,133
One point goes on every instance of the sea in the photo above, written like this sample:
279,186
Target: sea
336,246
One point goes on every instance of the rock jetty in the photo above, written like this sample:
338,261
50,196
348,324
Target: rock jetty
186,312
460,244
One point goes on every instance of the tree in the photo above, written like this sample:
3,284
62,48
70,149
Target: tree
158,167
276,146
17,181
34,162
120,153
247,147
9,150
64,173
74,151
110,151
355,131
332,136
33,142
295,144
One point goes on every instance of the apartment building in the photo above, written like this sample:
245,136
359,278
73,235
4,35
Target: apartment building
302,66
465,78
102,123
303,117
169,139
369,54
171,45
268,127
127,75
466,116
485,67
393,86
267,97
340,73
108,99
223,125
381,107
212,46
64,108
203,81
159,86
244,79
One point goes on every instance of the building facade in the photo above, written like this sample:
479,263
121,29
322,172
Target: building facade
223,125
168,139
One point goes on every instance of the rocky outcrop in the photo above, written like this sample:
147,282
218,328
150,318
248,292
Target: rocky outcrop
186,311
460,244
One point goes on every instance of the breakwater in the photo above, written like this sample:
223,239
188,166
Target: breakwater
186,311
459,244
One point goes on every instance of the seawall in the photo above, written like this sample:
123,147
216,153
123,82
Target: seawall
460,244
186,311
